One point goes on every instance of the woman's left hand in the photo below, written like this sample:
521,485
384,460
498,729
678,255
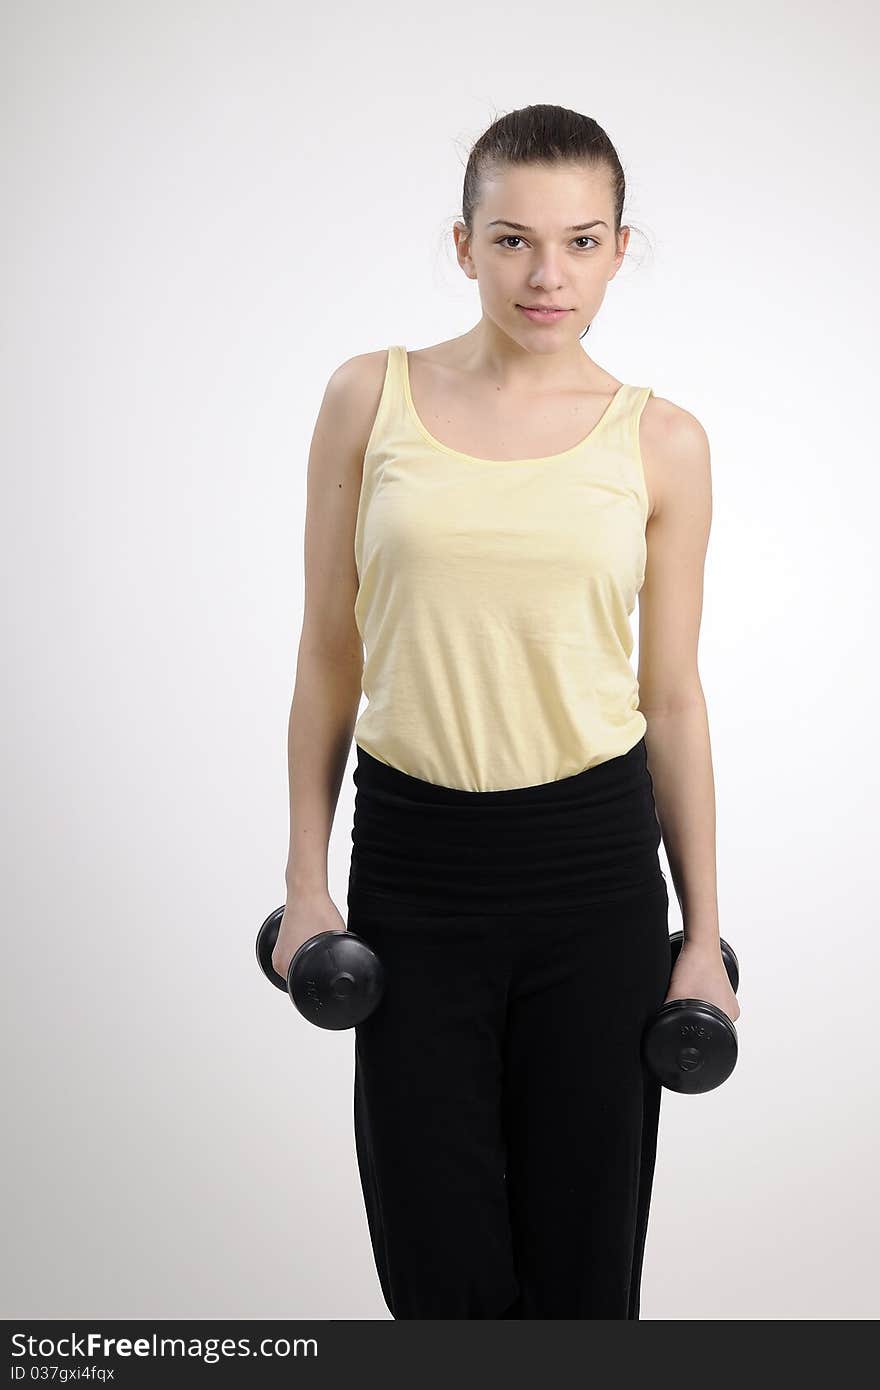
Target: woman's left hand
699,973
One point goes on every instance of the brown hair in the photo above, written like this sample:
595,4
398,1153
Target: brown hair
540,135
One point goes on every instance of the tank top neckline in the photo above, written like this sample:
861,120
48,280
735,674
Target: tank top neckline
609,410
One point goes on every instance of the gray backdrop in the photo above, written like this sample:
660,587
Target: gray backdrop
209,208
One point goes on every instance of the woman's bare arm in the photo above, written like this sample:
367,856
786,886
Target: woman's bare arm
329,666
670,691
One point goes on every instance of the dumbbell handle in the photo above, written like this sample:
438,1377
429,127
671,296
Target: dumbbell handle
728,955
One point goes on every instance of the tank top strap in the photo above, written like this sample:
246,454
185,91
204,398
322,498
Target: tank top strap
637,398
397,387
620,423
390,418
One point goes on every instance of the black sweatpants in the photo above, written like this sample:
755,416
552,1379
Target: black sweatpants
505,1124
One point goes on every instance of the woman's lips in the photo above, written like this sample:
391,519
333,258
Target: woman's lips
543,315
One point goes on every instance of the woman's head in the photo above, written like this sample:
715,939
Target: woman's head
550,170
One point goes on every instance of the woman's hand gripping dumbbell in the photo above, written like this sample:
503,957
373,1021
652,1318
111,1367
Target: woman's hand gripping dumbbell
690,1044
334,978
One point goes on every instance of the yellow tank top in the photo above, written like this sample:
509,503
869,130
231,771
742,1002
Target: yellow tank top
494,599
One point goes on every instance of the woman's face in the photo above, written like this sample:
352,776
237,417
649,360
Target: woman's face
560,261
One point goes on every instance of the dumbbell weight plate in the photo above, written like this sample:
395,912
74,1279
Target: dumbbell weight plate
266,939
336,979
690,1046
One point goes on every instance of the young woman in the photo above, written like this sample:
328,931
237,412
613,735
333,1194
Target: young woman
481,517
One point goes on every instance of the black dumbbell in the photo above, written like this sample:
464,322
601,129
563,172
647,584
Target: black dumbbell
690,1045
335,979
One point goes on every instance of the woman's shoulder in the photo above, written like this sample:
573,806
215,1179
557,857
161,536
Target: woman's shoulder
352,395
361,378
667,426
675,450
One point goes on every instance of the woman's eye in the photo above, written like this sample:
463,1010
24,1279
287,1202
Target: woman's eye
517,238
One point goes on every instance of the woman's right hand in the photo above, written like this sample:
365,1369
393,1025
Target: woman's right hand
305,914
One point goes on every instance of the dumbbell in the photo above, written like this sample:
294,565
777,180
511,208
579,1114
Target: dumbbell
335,979
690,1045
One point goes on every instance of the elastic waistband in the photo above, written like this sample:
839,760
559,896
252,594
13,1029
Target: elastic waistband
371,774
423,848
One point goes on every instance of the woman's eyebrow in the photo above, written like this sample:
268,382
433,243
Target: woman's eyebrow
518,226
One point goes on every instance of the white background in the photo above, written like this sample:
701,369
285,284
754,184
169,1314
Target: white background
209,207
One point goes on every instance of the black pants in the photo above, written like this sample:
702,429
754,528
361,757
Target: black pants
505,1124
